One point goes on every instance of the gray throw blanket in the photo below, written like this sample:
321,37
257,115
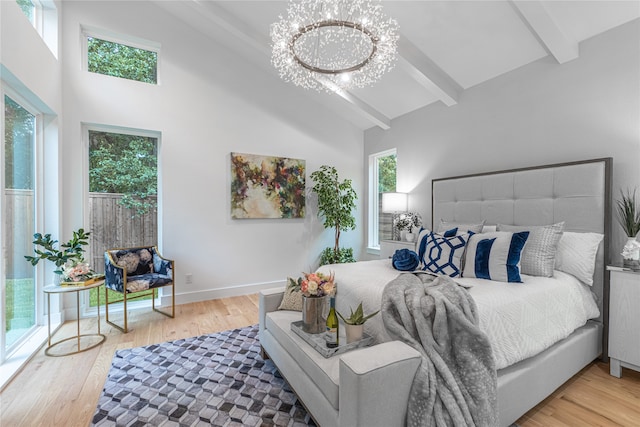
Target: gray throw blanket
456,383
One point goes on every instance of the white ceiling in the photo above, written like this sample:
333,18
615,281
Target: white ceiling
446,47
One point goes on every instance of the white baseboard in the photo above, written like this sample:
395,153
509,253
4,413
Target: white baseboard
225,292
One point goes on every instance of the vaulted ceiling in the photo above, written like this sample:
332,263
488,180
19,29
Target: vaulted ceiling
445,47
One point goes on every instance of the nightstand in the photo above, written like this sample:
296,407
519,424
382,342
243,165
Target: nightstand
389,247
624,319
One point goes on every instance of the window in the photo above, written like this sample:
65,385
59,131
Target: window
123,187
382,179
18,208
29,9
121,60
43,15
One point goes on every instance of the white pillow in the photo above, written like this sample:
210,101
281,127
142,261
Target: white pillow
576,255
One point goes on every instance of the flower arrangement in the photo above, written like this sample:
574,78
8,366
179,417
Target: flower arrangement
314,284
68,258
408,220
76,270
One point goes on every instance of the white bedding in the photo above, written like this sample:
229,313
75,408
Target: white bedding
520,319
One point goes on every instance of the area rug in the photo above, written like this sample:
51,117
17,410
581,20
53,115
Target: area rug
218,379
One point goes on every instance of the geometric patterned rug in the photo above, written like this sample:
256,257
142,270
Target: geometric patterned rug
217,379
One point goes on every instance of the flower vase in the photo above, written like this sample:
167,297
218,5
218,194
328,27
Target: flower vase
410,237
314,314
354,332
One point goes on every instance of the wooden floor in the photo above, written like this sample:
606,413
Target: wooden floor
63,391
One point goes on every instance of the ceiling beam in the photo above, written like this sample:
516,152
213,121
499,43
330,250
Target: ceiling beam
427,73
217,16
542,25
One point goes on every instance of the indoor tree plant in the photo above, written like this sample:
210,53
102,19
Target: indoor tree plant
68,258
354,324
336,200
629,219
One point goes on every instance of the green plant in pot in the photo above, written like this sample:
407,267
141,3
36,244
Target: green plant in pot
354,324
629,219
336,201
68,258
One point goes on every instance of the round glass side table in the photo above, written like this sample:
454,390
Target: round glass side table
84,341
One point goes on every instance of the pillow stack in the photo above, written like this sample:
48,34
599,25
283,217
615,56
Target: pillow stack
504,252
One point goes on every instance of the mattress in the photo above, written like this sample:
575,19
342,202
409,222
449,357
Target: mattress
520,319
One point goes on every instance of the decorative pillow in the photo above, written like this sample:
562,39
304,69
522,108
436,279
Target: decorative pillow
539,254
462,227
292,300
442,255
495,256
577,255
405,260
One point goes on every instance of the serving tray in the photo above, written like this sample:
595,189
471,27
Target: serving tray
318,343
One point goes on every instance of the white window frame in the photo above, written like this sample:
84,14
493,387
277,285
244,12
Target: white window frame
12,359
45,22
86,128
113,37
373,244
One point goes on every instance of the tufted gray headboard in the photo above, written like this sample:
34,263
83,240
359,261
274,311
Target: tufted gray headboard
578,193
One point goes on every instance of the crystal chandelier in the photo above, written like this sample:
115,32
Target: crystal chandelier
324,44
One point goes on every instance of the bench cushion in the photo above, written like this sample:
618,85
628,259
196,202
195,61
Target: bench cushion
324,372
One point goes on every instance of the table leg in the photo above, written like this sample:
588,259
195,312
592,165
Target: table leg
78,314
49,319
98,292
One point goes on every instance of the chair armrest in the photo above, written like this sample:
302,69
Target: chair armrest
114,275
366,374
269,300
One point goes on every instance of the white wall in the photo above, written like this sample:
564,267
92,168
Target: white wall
209,103
539,114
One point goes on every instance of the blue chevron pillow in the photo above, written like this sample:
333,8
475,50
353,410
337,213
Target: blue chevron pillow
442,255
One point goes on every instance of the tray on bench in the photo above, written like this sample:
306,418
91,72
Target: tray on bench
318,343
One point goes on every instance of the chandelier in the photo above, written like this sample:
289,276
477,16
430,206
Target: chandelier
324,44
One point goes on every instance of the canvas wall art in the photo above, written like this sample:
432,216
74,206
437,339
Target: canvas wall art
267,186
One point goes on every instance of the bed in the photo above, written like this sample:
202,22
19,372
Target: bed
576,194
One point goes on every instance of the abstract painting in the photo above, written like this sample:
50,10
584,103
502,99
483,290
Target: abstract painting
267,186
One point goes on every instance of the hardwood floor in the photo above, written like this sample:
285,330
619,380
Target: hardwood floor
63,391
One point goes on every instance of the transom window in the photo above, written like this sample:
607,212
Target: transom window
121,60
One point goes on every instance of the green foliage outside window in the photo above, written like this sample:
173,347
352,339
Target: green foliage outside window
126,164
387,173
18,145
118,60
27,7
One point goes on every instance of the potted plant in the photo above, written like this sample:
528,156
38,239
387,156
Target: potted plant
407,222
336,200
354,324
68,259
629,219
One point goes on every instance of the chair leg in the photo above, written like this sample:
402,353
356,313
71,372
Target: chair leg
106,307
173,303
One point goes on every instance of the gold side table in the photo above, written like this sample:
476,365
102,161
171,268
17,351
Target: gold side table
94,339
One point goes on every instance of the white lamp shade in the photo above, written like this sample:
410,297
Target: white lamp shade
394,202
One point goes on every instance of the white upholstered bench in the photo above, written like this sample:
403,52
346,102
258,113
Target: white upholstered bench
363,387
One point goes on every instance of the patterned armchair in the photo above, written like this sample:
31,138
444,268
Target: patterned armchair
137,273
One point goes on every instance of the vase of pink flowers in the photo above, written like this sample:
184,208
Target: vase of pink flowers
316,289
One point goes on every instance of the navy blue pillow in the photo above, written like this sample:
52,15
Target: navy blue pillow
495,256
405,260
451,233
